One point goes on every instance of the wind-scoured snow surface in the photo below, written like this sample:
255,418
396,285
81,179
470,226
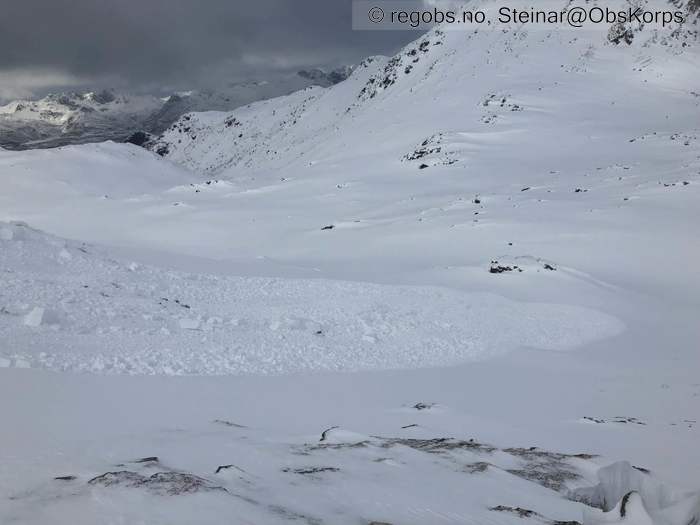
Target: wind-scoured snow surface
458,287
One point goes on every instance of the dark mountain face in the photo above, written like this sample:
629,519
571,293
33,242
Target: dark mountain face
324,78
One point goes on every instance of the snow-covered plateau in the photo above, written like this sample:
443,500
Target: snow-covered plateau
460,286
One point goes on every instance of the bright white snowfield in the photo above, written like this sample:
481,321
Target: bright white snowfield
460,287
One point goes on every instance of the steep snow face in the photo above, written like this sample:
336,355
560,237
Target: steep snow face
452,93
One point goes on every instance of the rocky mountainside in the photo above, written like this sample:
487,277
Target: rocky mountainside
72,118
429,102
76,118
238,94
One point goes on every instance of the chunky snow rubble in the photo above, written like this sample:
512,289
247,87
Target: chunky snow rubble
74,308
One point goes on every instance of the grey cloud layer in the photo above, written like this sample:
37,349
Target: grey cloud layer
180,42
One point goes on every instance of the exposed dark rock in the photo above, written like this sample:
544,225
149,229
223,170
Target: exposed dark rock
176,483
527,513
123,478
324,434
310,470
104,97
149,459
623,504
161,483
549,469
479,466
324,78
520,512
221,468
438,445
617,419
162,150
546,475
620,32
499,268
138,138
306,449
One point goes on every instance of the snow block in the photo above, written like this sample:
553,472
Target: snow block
40,316
631,496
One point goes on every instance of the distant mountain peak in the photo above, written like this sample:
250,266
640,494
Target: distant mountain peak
59,119
326,78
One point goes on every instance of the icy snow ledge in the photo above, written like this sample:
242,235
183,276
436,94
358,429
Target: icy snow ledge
627,494
111,316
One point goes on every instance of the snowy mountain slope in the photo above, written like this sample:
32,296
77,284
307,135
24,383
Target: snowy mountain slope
77,118
72,118
239,94
95,171
257,131
414,219
470,82
64,109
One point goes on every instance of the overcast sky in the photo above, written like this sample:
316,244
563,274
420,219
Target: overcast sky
162,45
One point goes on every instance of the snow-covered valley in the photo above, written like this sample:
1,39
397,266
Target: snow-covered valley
458,287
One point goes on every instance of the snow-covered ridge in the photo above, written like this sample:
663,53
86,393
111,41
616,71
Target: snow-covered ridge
262,131
62,109
477,82
74,118
95,171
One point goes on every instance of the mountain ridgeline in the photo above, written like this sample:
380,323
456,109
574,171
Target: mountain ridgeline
77,118
422,105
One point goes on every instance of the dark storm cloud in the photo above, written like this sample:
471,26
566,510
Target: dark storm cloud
175,43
